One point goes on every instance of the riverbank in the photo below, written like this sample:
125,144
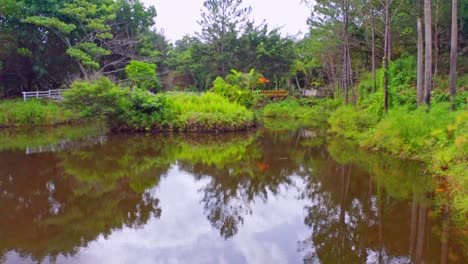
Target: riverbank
437,137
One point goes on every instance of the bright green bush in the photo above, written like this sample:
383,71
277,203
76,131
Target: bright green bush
15,113
145,111
100,98
239,87
120,107
143,75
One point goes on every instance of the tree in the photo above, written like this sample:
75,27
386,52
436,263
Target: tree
143,75
221,21
453,54
420,74
80,25
428,52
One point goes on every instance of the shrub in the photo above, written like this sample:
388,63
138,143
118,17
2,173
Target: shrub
239,87
145,111
143,75
101,98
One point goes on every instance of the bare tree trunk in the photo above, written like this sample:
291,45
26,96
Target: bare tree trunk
345,51
428,51
420,75
374,74
389,42
386,46
436,45
453,54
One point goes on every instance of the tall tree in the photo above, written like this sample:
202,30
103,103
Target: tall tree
428,51
420,74
80,25
222,20
386,51
453,53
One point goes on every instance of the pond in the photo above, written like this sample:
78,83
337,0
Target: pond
275,195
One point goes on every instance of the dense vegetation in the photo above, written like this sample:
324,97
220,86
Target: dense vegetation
139,110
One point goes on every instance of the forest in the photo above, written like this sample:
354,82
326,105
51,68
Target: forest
393,72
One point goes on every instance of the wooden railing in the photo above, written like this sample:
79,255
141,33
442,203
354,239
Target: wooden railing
274,93
52,94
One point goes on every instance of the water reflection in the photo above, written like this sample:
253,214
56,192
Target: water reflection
276,195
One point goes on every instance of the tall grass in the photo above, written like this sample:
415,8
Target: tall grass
317,110
210,111
16,113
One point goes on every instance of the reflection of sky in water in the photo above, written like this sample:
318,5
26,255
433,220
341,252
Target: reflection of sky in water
183,234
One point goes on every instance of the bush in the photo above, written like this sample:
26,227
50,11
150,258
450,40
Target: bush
145,111
239,87
101,98
143,75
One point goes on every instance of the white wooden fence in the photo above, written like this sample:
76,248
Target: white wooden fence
52,94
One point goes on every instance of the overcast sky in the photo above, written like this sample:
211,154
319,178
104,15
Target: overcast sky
179,17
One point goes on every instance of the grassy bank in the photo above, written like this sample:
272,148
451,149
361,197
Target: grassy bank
16,113
138,110
310,110
438,137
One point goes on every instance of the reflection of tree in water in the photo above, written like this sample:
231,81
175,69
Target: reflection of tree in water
358,210
258,168
45,212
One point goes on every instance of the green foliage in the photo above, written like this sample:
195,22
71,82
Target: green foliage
50,23
210,112
348,122
316,110
101,98
16,113
238,87
139,110
143,75
410,133
145,111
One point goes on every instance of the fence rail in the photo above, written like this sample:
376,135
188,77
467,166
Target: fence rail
52,94
274,93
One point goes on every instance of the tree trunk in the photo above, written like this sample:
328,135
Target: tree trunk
386,46
345,50
374,74
436,46
420,75
453,54
428,51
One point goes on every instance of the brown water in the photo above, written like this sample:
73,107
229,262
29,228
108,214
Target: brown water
271,196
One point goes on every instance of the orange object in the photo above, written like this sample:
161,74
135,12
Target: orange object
263,166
